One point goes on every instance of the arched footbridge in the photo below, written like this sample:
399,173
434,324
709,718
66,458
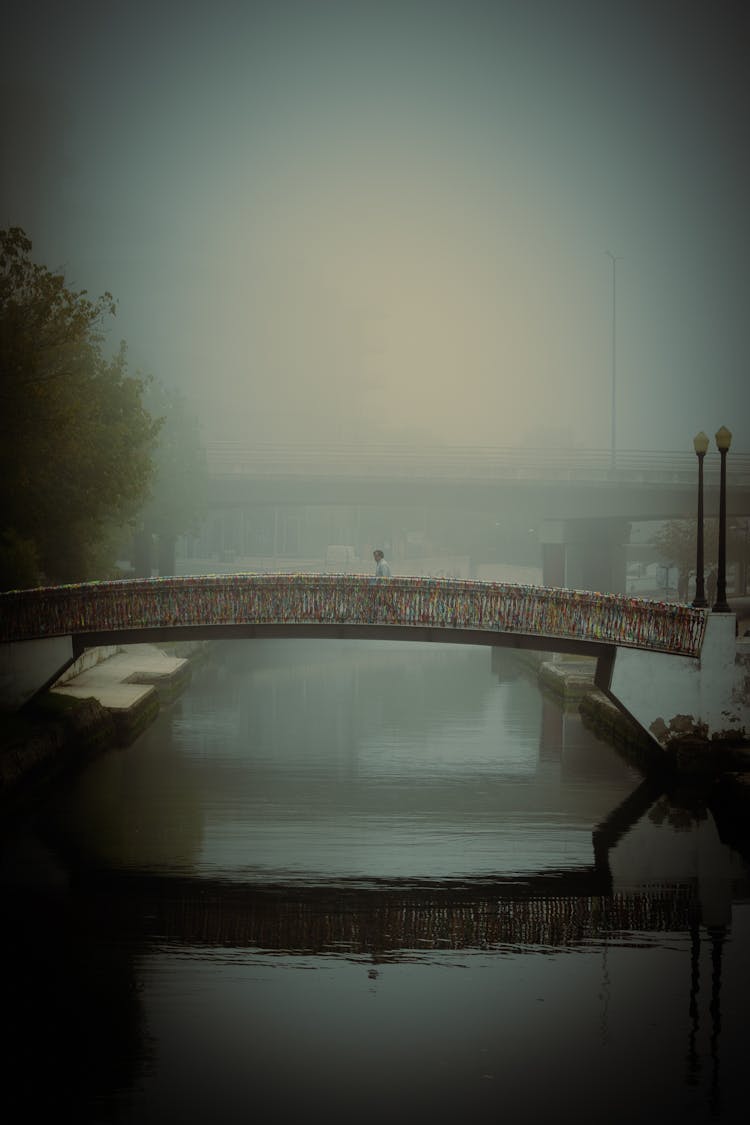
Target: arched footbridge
667,642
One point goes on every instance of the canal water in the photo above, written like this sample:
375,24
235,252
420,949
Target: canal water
368,881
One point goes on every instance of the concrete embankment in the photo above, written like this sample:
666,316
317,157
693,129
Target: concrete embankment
718,775
571,679
104,700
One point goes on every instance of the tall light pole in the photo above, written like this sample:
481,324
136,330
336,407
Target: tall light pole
700,445
723,441
613,443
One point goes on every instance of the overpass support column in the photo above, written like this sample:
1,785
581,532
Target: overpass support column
552,543
585,554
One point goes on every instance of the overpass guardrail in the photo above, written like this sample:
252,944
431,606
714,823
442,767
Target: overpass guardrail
231,459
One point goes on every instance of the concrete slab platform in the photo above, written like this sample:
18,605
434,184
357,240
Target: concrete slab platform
124,680
114,696
138,664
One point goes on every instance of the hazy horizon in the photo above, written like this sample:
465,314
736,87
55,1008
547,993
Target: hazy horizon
389,222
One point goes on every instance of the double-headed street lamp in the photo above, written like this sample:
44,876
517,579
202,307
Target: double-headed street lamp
700,444
723,441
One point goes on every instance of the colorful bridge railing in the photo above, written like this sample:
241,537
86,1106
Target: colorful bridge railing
353,600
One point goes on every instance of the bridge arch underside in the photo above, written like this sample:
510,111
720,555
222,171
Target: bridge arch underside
599,650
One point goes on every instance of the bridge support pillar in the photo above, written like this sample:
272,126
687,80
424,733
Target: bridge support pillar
680,700
584,554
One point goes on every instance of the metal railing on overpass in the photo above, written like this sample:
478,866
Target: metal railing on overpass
384,462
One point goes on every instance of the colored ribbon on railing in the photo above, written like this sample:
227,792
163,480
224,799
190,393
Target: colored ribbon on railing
440,603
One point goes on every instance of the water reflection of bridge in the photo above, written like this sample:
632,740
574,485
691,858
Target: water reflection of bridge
388,918
559,909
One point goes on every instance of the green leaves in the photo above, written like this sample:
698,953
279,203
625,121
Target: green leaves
178,495
76,439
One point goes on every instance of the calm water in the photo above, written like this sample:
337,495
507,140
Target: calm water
356,881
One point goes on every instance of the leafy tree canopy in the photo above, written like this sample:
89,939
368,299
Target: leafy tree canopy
676,545
75,435
177,500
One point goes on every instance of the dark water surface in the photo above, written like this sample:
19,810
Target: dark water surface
352,881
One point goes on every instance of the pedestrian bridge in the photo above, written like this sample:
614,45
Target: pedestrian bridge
651,656
440,609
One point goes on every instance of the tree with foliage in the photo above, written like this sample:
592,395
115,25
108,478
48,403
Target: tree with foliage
75,435
676,544
177,500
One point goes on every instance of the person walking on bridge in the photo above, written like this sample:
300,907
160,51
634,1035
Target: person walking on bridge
382,570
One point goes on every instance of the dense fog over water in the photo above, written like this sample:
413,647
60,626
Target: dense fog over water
356,221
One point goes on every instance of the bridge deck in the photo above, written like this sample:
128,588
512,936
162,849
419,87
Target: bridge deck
442,609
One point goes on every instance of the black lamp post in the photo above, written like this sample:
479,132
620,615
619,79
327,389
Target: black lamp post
700,445
723,441
613,439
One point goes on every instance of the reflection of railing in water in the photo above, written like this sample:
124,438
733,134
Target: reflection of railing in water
390,917
388,921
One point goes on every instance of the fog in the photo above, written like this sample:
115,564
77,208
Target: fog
354,222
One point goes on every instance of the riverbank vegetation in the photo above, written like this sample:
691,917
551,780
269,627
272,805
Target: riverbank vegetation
675,544
88,450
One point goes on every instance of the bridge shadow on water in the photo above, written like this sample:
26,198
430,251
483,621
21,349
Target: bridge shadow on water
389,919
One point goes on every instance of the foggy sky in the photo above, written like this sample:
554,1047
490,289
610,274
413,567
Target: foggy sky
330,220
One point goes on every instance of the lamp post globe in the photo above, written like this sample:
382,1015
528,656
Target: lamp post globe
723,438
700,444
